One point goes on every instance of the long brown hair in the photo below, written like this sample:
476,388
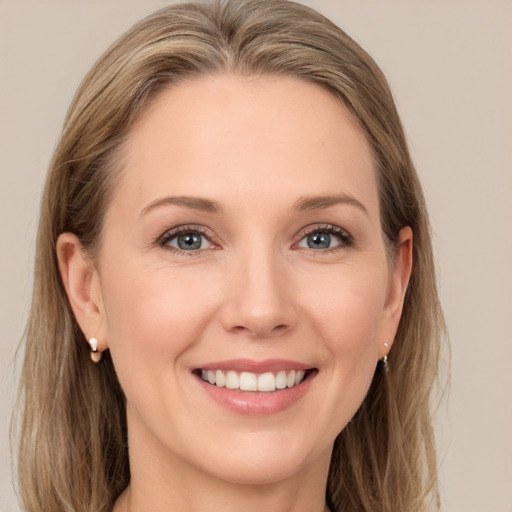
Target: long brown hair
73,453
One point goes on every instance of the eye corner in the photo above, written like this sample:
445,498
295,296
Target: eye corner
199,240
325,235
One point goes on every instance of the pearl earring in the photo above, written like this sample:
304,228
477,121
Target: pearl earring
385,359
95,355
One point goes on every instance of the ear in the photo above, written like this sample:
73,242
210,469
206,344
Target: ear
399,279
82,284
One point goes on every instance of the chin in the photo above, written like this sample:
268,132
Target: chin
266,460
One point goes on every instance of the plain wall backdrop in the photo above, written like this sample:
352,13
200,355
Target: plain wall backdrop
449,63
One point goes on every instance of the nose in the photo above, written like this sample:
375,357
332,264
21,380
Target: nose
260,296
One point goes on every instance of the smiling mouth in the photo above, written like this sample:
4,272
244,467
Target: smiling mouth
248,381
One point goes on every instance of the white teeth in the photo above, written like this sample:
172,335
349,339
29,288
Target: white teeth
220,379
266,382
281,379
248,381
232,380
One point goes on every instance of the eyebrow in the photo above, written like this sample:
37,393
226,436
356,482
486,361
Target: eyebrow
195,203
306,203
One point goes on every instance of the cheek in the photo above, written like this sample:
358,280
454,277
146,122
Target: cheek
347,316
153,317
347,307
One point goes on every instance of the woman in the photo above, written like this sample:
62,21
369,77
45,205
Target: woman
233,230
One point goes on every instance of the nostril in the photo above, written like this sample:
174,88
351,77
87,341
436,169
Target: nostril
240,328
258,316
260,331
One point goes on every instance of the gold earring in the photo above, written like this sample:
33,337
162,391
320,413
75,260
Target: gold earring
95,355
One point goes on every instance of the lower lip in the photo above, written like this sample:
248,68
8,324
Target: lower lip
257,403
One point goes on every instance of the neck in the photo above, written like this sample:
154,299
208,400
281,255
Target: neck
170,484
249,500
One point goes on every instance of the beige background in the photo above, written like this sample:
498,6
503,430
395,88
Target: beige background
450,65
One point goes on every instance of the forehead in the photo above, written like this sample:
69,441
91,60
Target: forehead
234,136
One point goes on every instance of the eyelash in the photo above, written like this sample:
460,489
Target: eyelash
345,238
183,230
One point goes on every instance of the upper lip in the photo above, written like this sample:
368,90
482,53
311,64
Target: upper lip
249,365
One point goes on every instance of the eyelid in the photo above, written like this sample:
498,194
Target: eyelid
176,231
346,239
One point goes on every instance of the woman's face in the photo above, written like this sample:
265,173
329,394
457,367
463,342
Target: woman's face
243,244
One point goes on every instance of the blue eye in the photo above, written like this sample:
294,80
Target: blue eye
319,241
330,237
186,241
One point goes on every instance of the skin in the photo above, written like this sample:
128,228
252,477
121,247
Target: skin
255,290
